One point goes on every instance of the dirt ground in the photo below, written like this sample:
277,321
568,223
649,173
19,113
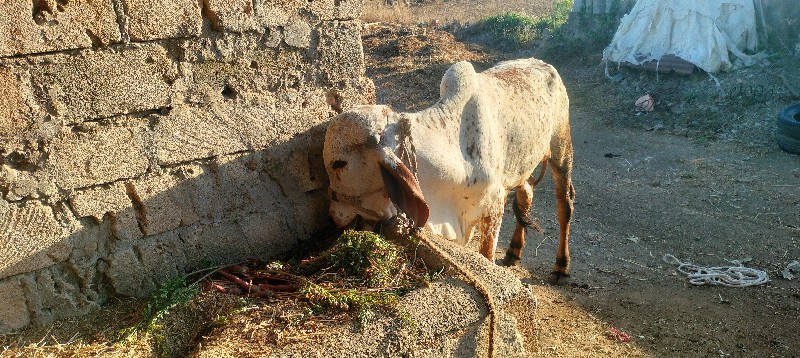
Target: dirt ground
701,178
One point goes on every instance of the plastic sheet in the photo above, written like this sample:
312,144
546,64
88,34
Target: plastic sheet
709,34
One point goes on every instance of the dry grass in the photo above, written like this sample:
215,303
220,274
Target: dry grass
91,335
440,12
362,273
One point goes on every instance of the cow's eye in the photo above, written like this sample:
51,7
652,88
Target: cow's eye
339,164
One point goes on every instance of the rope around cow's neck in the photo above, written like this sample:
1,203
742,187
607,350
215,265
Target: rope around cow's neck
728,276
405,144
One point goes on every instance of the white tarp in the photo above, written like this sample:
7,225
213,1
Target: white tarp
704,33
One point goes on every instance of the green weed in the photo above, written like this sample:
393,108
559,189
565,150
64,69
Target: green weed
559,15
371,274
172,293
515,30
367,255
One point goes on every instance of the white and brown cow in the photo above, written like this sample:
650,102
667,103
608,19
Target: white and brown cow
450,167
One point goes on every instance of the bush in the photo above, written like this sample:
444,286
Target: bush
515,29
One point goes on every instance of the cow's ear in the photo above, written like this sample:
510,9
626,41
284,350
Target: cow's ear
403,188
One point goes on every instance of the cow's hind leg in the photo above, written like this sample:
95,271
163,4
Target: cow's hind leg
523,198
561,164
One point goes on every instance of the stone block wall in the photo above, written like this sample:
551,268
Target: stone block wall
142,139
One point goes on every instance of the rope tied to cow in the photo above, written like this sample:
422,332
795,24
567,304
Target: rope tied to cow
729,276
405,144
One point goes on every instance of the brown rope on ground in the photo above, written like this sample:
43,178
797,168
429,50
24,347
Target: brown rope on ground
428,240
400,228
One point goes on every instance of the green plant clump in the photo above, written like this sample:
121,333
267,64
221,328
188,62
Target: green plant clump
372,273
367,255
513,29
516,29
171,294
559,15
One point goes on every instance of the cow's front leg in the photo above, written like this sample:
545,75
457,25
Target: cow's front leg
490,230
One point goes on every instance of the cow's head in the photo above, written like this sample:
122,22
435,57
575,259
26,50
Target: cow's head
367,178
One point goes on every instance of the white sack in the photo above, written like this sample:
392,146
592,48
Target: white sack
701,32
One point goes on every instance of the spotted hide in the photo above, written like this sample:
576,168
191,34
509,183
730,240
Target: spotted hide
450,167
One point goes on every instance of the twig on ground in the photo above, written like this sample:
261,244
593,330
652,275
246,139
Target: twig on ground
536,250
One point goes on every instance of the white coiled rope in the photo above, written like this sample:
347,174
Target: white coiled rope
729,276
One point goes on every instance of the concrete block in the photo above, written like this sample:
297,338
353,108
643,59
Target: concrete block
214,243
112,203
160,205
138,270
299,168
298,112
162,257
243,186
101,84
356,92
244,67
102,154
14,110
267,233
310,214
297,34
162,19
126,275
14,310
278,13
274,13
231,16
23,184
31,239
341,57
229,186
200,186
328,10
296,166
444,306
56,25
233,48
58,292
89,242
190,133
216,81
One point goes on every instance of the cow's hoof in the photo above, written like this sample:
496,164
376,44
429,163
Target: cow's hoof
557,277
511,260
